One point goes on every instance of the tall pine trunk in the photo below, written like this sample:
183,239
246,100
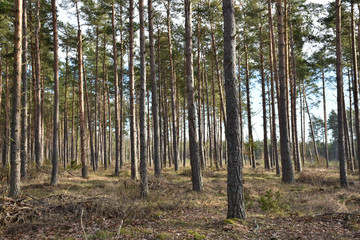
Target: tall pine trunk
266,149
131,86
236,208
15,111
55,150
194,150
287,169
144,186
340,93
154,89
24,95
84,173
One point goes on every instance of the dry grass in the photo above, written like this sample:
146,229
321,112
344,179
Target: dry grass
174,211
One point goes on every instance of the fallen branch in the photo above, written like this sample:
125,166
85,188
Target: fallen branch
338,213
34,198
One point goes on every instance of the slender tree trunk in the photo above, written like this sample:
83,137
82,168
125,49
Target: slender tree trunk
104,143
24,95
121,89
274,78
248,108
266,149
209,126
38,116
6,144
240,113
161,111
16,96
351,127
84,173
216,157
213,45
144,188
199,91
55,150
173,90
340,93
236,208
355,84
154,88
296,153
287,169
131,85
184,148
117,120
66,143
194,150
92,153
97,109
311,126
325,121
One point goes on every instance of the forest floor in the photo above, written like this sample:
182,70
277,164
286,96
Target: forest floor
105,206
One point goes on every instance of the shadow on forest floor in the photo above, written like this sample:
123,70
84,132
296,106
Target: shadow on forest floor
106,206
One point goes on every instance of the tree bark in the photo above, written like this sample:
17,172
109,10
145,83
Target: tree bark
134,174
24,95
173,90
144,188
248,108
55,150
340,93
154,89
38,116
15,112
194,150
287,169
236,208
274,78
117,120
84,173
5,153
266,149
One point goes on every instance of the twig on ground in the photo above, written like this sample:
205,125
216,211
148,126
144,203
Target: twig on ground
119,229
34,198
82,225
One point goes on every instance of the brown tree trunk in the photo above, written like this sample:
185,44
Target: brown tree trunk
6,144
199,91
154,89
266,149
84,173
15,112
248,108
104,127
194,150
55,150
274,78
24,95
117,120
144,186
215,155
296,153
173,90
340,93
97,109
38,116
287,169
131,85
236,208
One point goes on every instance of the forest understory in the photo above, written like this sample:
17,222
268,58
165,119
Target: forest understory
105,206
